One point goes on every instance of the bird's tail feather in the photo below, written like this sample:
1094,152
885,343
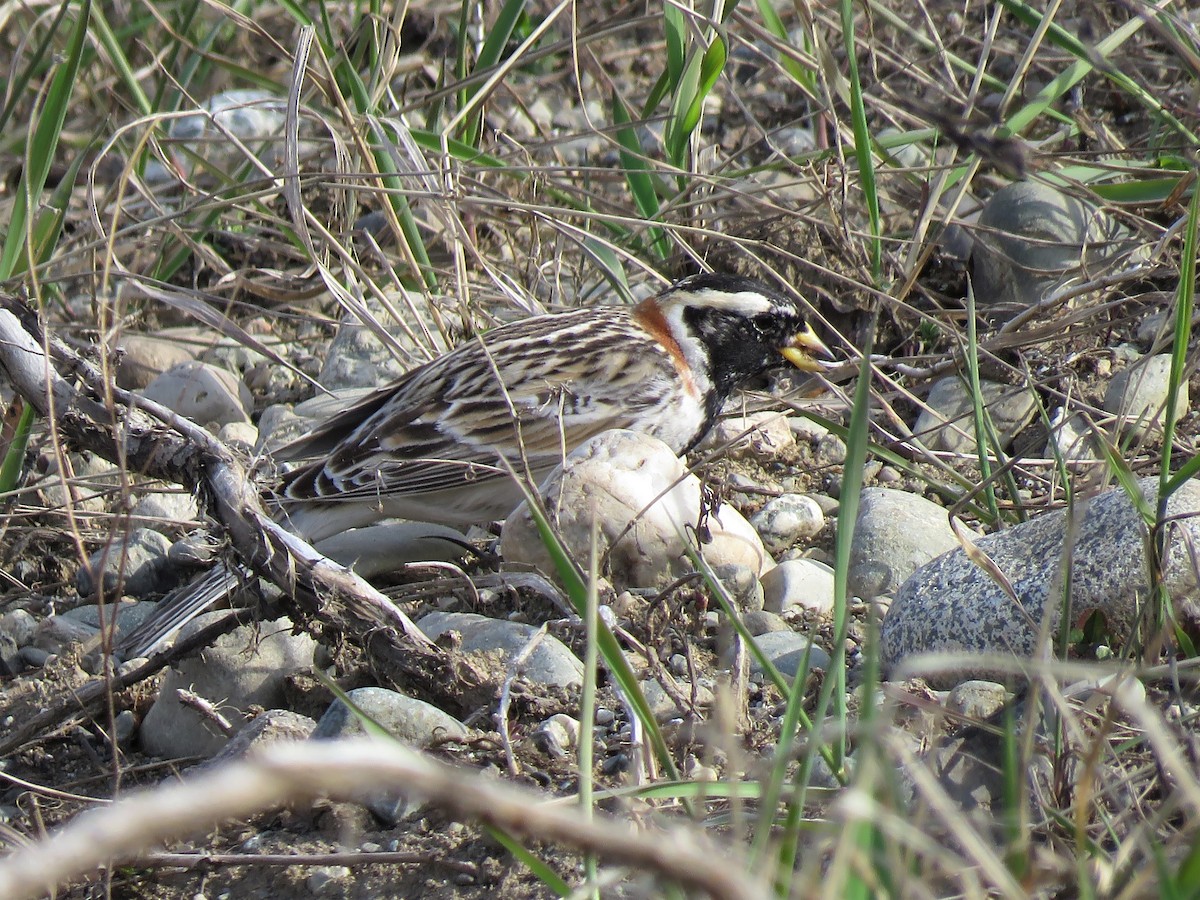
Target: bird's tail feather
176,609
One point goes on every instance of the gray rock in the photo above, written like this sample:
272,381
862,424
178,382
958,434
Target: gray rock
279,424
742,584
129,614
34,657
410,721
787,519
786,649
761,435
1073,438
94,482
831,451
165,511
327,881
761,622
663,704
11,662
145,357
246,667
124,727
977,699
274,726
551,662
1032,239
896,533
19,625
951,605
201,548
242,435
557,735
358,356
414,722
203,393
948,423
1137,395
136,565
805,583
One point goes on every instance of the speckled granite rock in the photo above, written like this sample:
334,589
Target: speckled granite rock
951,605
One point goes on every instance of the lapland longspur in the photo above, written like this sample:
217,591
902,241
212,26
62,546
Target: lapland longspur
428,446
432,445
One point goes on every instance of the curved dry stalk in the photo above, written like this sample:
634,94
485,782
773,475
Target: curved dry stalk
301,772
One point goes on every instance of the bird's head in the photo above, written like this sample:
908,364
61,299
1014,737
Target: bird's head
733,328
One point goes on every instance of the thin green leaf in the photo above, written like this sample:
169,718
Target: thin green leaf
862,141
1185,302
637,175
43,143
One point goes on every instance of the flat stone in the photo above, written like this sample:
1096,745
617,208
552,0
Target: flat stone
244,668
135,565
203,393
636,498
1033,239
786,650
803,583
551,662
787,520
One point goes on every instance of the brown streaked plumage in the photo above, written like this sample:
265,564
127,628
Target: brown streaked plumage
433,445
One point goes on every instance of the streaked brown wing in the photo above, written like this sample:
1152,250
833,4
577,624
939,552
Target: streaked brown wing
519,394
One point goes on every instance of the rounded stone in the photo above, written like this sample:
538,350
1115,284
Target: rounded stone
412,721
1032,239
953,606
803,583
636,497
203,393
1137,395
135,565
787,519
786,650
947,422
244,668
896,532
551,662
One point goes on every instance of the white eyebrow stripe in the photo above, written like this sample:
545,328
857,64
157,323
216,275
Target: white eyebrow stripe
745,302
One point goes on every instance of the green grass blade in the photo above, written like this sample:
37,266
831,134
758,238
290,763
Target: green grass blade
43,144
862,141
18,87
792,66
14,457
529,860
637,175
490,55
610,649
1185,302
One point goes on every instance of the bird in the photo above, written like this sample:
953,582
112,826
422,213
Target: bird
441,443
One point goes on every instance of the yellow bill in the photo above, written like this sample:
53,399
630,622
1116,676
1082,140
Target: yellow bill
807,352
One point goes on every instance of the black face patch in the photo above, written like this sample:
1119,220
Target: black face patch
741,346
